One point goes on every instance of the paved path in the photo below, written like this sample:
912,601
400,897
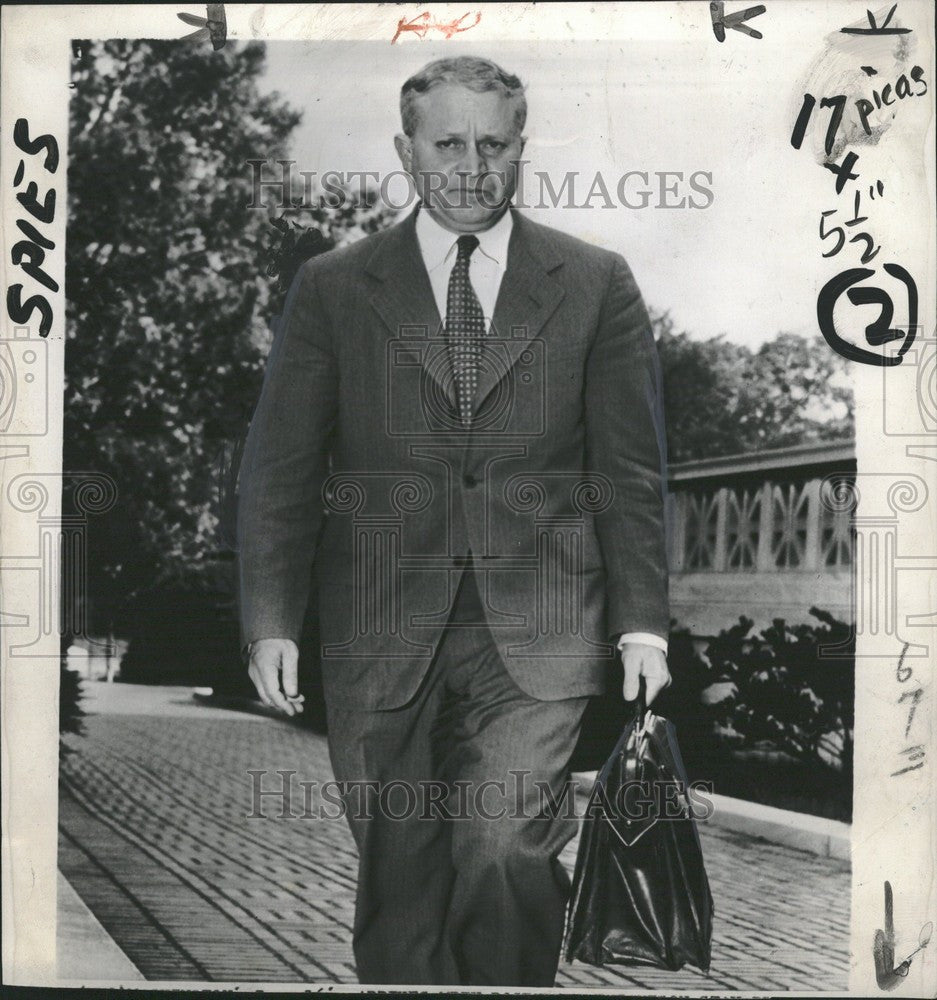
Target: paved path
154,837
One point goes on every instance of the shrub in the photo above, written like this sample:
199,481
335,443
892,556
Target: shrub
775,688
184,630
794,687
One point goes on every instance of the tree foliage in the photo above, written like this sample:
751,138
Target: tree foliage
164,295
169,305
722,398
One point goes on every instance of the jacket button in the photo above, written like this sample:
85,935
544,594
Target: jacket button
470,481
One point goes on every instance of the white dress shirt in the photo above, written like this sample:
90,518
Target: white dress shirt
486,265
486,269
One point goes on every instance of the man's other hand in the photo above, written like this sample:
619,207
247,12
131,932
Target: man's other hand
644,661
273,661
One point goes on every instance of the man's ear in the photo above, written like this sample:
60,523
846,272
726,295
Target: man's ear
404,150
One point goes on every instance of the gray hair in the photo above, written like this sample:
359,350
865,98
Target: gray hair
468,71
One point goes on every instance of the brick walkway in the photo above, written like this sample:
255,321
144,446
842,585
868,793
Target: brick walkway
155,839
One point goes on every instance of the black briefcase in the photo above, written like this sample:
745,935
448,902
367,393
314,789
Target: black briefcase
640,893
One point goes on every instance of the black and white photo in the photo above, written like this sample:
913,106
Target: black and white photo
467,496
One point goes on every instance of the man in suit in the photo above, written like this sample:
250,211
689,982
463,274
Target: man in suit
461,429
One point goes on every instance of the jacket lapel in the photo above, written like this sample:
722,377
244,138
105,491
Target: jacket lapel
404,298
528,297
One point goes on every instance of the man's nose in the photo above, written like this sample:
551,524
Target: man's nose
472,163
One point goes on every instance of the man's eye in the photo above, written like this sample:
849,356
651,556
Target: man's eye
448,144
494,146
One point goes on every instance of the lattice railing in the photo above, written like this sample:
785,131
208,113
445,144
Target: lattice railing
771,512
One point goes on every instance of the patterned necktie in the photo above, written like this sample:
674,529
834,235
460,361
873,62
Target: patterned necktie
465,329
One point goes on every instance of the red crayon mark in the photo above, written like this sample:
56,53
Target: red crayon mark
421,25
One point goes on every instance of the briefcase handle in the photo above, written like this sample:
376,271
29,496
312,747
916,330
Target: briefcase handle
632,767
640,705
621,751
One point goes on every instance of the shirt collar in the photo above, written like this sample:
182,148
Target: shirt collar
437,243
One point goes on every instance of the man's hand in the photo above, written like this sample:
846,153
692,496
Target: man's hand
644,661
271,660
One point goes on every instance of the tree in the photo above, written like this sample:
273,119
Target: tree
722,398
796,390
168,302
701,392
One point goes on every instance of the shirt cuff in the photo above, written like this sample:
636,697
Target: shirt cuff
648,638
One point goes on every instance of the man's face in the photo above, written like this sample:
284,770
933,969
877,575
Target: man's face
462,157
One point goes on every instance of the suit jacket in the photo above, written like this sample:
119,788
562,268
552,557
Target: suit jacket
355,460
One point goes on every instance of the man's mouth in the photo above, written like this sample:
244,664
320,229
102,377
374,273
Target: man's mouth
471,196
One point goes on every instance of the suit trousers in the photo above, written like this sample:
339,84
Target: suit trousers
459,880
